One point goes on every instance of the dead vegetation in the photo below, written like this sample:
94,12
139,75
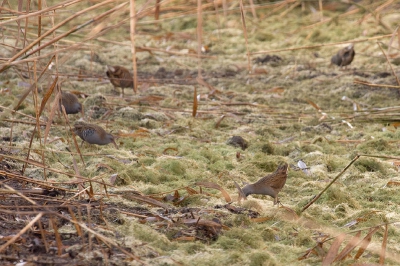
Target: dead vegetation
203,72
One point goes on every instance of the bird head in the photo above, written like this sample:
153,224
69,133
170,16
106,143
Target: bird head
111,138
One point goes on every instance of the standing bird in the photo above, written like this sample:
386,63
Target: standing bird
120,77
71,103
93,134
268,185
344,56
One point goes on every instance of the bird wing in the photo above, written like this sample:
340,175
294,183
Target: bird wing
277,179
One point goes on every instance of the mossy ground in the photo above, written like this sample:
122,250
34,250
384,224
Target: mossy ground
162,147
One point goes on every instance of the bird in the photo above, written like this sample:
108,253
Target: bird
344,56
269,185
71,103
238,141
120,77
93,134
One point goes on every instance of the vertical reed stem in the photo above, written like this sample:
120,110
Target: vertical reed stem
133,48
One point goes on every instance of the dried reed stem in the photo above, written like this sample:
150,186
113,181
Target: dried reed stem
132,13
34,14
358,81
383,247
390,65
377,14
35,42
253,10
321,13
225,7
39,21
199,37
245,35
76,28
157,11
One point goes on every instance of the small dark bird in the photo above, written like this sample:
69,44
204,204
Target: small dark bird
93,134
268,185
238,141
120,77
71,103
344,57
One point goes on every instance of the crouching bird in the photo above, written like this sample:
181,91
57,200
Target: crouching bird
71,103
120,77
269,185
344,56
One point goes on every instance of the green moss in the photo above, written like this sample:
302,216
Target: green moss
183,23
267,234
335,163
284,150
227,243
262,259
210,155
268,148
174,167
248,238
335,195
311,148
370,165
341,210
238,220
138,173
396,61
372,146
265,36
217,167
193,248
145,233
304,239
146,161
265,162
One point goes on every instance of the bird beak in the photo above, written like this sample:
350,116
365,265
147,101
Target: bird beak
112,69
115,144
241,193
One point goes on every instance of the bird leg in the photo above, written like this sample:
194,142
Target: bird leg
115,91
276,200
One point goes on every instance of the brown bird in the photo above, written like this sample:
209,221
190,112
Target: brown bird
120,77
93,134
71,103
268,185
344,56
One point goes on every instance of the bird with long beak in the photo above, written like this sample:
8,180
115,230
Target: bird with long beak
269,185
93,134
